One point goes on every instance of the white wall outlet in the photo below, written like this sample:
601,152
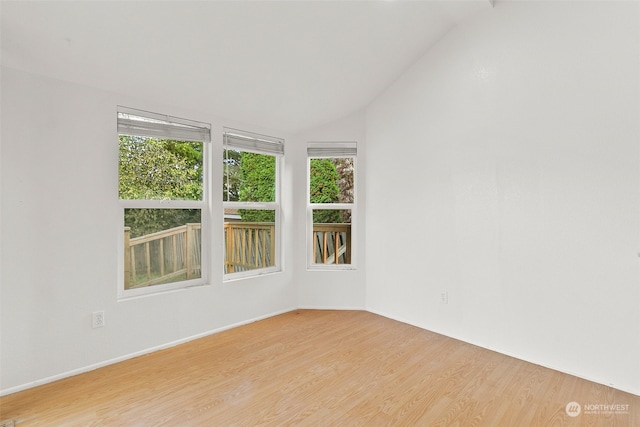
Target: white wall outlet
97,319
444,297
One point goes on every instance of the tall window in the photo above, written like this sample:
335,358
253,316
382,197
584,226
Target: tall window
162,191
331,174
251,203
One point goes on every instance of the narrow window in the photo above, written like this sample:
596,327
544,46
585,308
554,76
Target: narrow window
251,203
162,192
331,204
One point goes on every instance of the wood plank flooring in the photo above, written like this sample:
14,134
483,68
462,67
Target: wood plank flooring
321,368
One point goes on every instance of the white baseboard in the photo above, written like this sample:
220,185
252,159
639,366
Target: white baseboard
94,366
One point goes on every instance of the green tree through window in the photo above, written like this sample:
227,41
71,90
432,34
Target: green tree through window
323,188
258,184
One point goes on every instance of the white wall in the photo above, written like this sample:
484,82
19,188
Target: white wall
503,168
339,289
60,222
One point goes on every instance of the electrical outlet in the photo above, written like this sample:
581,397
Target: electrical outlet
444,297
97,319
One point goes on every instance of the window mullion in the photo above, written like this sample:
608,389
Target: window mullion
336,206
251,205
166,204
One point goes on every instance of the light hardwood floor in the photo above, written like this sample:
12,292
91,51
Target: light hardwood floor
321,368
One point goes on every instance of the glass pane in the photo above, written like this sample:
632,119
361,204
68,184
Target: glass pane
159,169
331,180
161,246
248,177
249,239
331,236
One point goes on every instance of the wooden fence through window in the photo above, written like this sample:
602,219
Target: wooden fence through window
163,257
248,246
332,243
175,254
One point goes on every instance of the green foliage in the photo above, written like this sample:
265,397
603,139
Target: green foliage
252,215
323,181
258,177
323,188
152,168
258,184
191,153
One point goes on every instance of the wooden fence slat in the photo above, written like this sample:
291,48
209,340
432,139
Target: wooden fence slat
347,243
132,264
325,250
174,240
188,250
161,256
315,246
243,249
147,258
256,241
263,258
127,257
229,254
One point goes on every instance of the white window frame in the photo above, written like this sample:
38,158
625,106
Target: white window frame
261,144
143,123
330,150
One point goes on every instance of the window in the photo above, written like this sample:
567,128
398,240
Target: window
251,203
163,193
331,204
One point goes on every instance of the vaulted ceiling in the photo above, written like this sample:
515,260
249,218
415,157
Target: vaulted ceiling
286,65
